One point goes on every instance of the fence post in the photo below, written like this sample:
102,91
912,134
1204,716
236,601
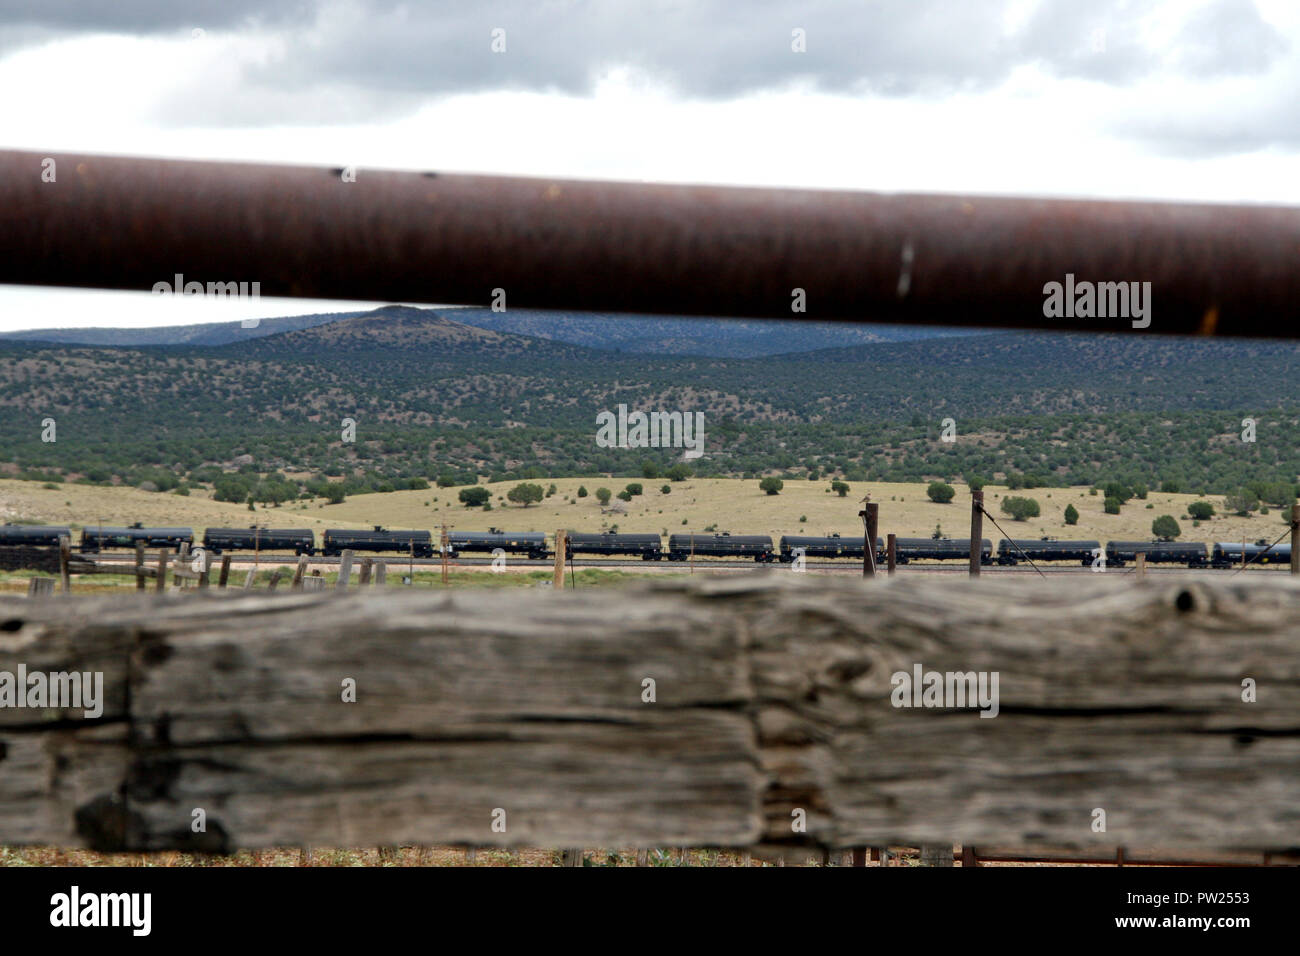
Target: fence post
223,575
164,557
870,515
363,578
561,548
873,531
65,552
891,556
40,587
345,571
182,552
935,854
139,565
444,554
1141,564
381,573
1295,539
976,531
296,584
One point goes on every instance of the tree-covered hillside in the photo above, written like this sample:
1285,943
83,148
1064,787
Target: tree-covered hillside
433,397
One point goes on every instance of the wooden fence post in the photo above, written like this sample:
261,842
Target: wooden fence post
363,577
571,856
976,532
205,562
872,530
40,587
275,577
345,571
223,576
182,552
936,854
1295,539
891,556
65,552
869,515
312,583
139,565
299,571
381,573
561,547
444,555
164,557
1141,566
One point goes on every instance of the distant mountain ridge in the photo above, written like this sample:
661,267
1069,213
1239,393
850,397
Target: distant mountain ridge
408,332
204,333
613,332
677,335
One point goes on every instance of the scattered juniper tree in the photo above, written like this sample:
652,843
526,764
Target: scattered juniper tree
1166,528
940,492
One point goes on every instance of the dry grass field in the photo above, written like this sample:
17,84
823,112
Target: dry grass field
730,504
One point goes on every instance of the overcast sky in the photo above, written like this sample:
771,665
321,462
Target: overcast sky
1163,99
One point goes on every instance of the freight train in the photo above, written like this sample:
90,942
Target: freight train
650,547
418,544
98,538
297,540
529,543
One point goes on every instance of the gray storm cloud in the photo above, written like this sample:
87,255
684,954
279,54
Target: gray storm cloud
706,48
398,53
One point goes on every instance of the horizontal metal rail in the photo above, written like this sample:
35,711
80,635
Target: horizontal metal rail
131,223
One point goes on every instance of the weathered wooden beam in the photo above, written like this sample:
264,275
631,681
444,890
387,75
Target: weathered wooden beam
771,702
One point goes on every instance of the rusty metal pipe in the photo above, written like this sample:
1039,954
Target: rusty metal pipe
128,223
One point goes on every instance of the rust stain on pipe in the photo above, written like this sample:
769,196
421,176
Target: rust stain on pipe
128,223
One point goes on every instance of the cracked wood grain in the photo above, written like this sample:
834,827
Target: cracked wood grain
772,695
